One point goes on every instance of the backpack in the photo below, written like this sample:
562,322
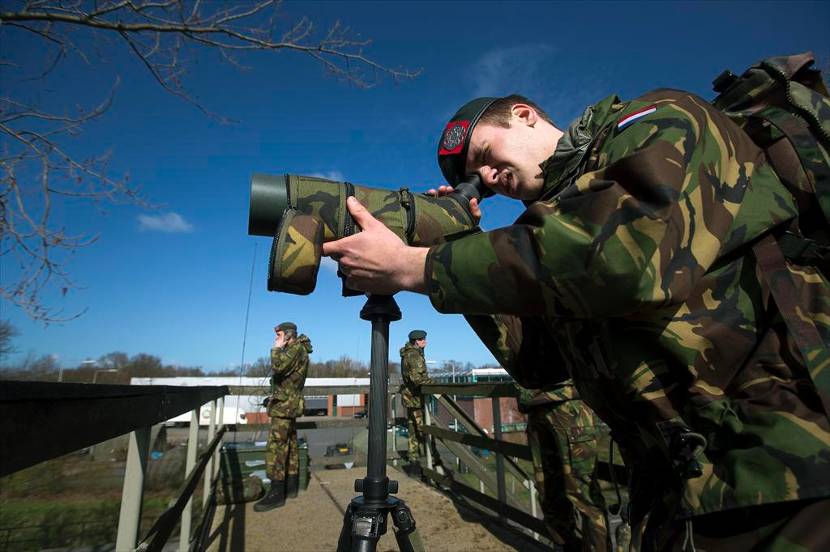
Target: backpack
783,104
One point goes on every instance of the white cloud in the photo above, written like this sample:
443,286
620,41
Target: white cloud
169,223
535,71
512,70
331,175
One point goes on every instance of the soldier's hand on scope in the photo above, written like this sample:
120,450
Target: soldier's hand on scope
376,260
443,190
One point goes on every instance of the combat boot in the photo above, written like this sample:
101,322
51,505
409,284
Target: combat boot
274,499
292,485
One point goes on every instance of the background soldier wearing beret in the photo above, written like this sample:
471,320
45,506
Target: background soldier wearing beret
414,373
289,367
634,271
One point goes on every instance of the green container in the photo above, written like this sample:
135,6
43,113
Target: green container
302,447
241,459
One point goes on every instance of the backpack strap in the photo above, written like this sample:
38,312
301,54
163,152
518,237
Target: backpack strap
814,350
809,151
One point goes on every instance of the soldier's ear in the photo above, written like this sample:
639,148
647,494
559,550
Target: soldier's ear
524,114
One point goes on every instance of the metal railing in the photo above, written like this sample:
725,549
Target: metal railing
47,420
44,420
503,503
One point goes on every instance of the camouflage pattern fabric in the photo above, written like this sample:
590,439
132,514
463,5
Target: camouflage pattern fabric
282,456
564,439
788,526
295,254
289,367
419,219
414,373
317,213
236,491
634,272
414,423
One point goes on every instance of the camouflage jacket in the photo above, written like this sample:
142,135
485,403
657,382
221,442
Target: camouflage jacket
633,272
414,373
289,367
559,393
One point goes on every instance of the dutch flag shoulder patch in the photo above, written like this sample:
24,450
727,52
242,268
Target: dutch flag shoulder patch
631,117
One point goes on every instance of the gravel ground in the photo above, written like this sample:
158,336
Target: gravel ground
312,521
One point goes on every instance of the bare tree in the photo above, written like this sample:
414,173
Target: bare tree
37,169
7,333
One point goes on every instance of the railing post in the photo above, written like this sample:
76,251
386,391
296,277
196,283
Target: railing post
219,425
502,492
533,512
208,474
187,513
394,397
132,492
428,442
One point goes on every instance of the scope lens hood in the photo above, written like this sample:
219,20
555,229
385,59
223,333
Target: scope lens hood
269,200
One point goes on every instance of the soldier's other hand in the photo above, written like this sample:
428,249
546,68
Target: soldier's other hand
443,190
265,402
376,260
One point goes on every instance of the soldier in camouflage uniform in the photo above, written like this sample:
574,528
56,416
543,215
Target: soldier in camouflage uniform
289,367
633,268
414,373
564,438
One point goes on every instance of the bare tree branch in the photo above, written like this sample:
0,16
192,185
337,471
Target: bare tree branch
38,169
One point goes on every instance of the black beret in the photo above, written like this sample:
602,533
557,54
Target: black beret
455,140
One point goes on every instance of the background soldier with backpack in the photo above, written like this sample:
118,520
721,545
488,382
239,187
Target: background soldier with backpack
289,367
414,373
671,261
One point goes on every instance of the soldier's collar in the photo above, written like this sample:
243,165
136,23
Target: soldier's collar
559,168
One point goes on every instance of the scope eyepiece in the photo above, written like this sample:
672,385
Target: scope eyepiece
472,187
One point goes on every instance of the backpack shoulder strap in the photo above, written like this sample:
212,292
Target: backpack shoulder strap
814,350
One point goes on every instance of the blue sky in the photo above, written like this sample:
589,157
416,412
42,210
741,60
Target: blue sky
173,280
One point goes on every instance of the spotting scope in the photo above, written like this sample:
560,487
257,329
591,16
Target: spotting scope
302,212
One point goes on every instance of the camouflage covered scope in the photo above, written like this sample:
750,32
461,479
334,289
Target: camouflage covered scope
303,212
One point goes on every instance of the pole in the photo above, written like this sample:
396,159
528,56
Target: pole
190,463
500,489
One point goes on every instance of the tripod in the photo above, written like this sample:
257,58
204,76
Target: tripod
365,519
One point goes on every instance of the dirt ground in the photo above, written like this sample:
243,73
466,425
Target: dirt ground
312,521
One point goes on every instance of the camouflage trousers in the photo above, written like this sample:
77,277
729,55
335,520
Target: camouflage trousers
564,439
281,455
415,421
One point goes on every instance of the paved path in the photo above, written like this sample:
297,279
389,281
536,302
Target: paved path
312,521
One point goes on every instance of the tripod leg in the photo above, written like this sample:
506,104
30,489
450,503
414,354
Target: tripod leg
344,543
405,533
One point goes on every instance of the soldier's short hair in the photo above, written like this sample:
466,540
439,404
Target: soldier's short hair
499,112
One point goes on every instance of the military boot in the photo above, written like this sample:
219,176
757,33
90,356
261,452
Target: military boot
274,499
292,485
